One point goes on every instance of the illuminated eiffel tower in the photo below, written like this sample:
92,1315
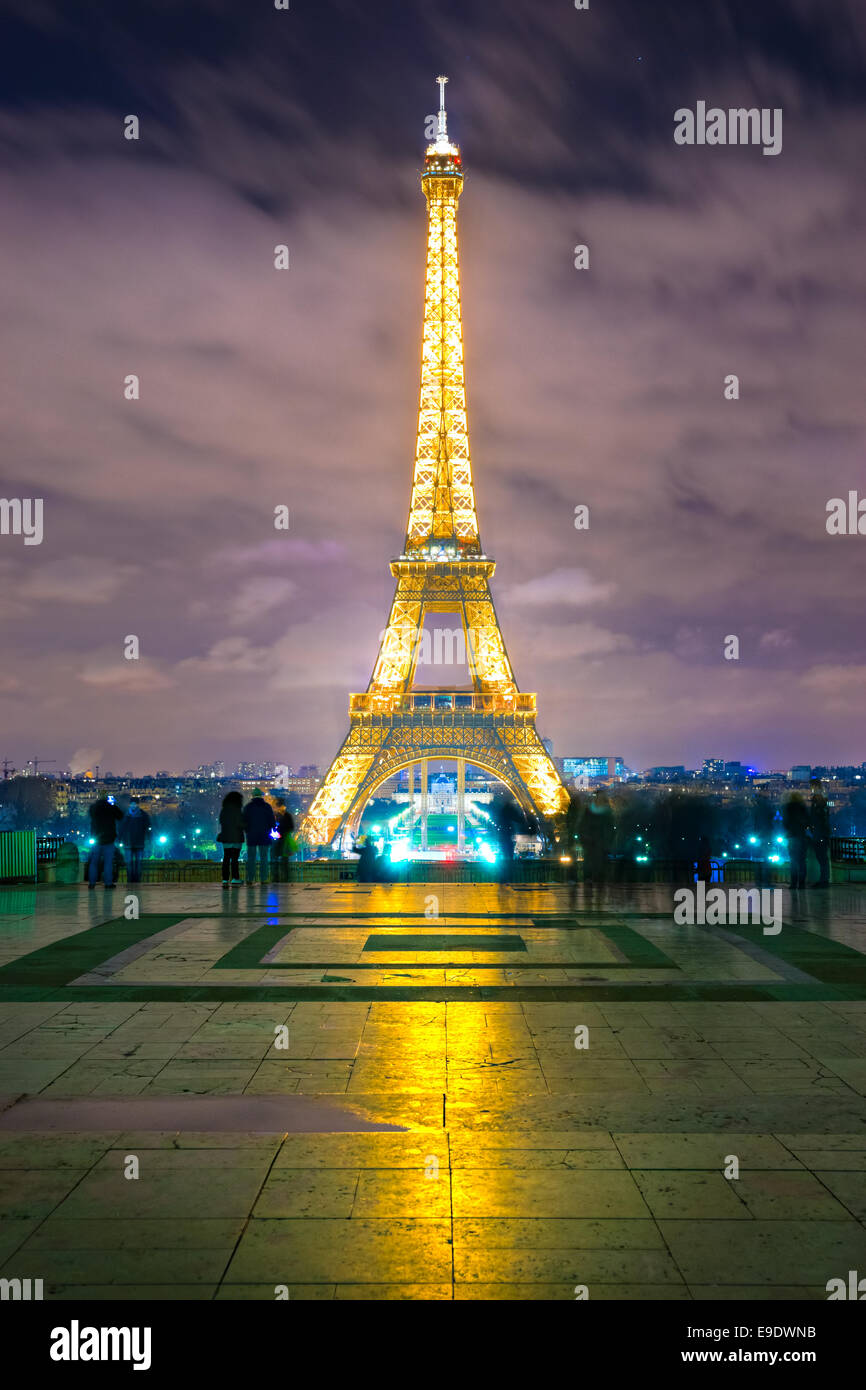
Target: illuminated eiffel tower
442,570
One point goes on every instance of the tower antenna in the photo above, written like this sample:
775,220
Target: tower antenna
443,119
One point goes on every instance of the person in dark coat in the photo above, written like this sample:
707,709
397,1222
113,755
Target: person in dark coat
705,863
506,824
795,820
231,836
259,821
368,861
819,825
763,815
104,818
134,830
597,836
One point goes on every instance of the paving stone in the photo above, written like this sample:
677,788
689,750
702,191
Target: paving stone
674,1193
710,1151
544,1233
214,1192
397,1250
764,1252
123,1266
517,1193
143,1233
553,1159
307,1192
266,1293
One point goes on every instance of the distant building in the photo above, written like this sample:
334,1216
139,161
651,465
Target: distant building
302,786
801,772
713,767
592,765
670,772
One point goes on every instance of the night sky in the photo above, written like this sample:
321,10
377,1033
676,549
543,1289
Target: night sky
259,388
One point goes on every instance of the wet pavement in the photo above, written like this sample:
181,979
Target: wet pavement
428,1091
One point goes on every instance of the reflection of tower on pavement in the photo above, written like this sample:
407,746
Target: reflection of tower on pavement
461,805
423,803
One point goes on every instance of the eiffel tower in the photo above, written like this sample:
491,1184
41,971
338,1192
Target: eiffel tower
442,570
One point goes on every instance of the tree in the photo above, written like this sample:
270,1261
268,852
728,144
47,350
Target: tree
28,802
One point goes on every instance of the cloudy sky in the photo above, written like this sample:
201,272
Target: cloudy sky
602,387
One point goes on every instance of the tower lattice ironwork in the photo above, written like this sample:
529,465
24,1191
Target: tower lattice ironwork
442,570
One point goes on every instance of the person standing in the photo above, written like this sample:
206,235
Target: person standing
704,861
795,820
259,821
104,818
134,830
597,837
231,836
819,825
366,871
280,846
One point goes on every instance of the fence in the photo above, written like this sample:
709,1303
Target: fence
848,849
26,856
17,854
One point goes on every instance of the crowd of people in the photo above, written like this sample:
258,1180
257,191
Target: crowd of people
264,826
803,826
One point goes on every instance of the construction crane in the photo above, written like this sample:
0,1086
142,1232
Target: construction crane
7,766
34,763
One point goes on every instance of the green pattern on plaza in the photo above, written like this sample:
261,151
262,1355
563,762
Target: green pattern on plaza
828,969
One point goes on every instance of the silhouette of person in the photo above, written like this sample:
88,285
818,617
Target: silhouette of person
231,836
596,836
134,830
763,815
507,820
795,820
280,847
819,825
570,832
705,863
259,821
368,867
104,818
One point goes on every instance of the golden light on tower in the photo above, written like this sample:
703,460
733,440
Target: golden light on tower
442,569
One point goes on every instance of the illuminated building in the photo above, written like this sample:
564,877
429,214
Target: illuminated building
443,569
592,765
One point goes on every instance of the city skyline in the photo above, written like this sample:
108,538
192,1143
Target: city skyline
600,388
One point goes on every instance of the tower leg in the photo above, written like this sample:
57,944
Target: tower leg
413,815
461,805
423,803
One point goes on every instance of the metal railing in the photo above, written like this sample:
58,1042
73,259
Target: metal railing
848,849
47,847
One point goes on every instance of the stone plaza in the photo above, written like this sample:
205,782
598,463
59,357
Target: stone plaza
429,1091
